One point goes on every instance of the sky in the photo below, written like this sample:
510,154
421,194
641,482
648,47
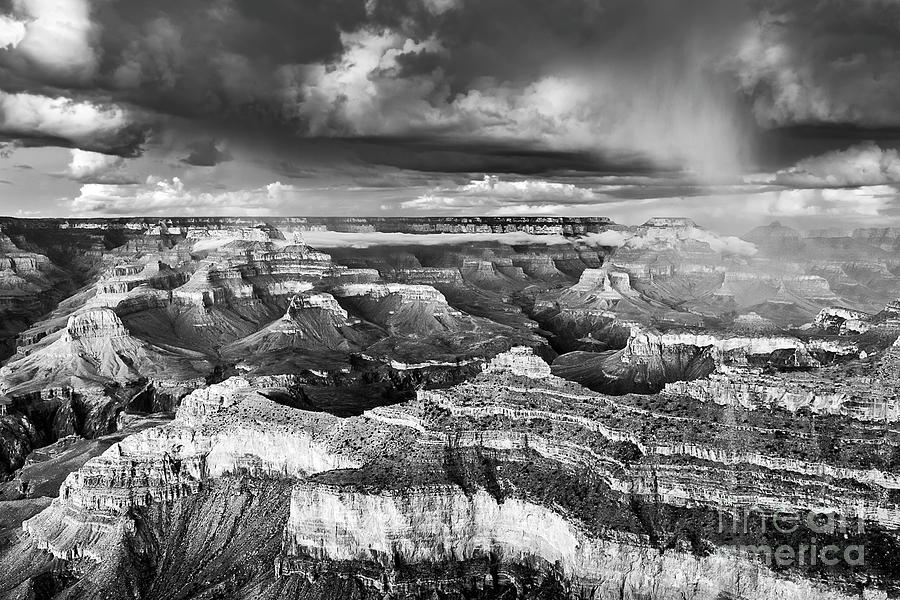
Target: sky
732,112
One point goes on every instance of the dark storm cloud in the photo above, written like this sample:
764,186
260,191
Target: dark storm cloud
206,153
126,142
424,154
217,59
524,86
833,62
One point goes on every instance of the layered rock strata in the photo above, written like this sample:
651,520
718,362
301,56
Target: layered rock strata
405,496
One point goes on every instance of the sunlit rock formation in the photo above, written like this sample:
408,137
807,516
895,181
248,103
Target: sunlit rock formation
650,359
433,494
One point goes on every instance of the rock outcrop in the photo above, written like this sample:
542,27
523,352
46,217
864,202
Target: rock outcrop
650,359
94,350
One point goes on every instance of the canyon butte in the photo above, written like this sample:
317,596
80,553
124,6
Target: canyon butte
198,408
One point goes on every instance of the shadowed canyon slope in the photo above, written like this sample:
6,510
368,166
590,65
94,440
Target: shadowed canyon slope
445,407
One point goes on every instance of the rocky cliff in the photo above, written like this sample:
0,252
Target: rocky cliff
432,495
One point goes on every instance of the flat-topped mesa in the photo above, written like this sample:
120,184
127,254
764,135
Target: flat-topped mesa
811,287
268,256
775,236
121,279
321,301
593,279
482,267
670,222
94,323
608,284
737,350
260,233
645,266
429,276
537,264
498,271
520,360
420,293
338,275
213,284
621,282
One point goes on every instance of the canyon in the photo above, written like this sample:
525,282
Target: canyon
475,407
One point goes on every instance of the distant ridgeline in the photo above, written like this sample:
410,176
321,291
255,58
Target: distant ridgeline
533,225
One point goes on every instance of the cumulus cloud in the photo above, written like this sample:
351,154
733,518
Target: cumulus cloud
361,93
83,123
59,37
863,201
612,238
12,32
531,189
723,244
372,90
95,167
865,164
157,196
493,195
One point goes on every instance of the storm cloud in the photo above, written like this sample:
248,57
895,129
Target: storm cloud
700,87
682,82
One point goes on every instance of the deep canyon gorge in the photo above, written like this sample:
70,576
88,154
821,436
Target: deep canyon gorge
440,407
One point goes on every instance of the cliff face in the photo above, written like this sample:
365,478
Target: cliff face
215,431
18,437
29,286
513,470
442,524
